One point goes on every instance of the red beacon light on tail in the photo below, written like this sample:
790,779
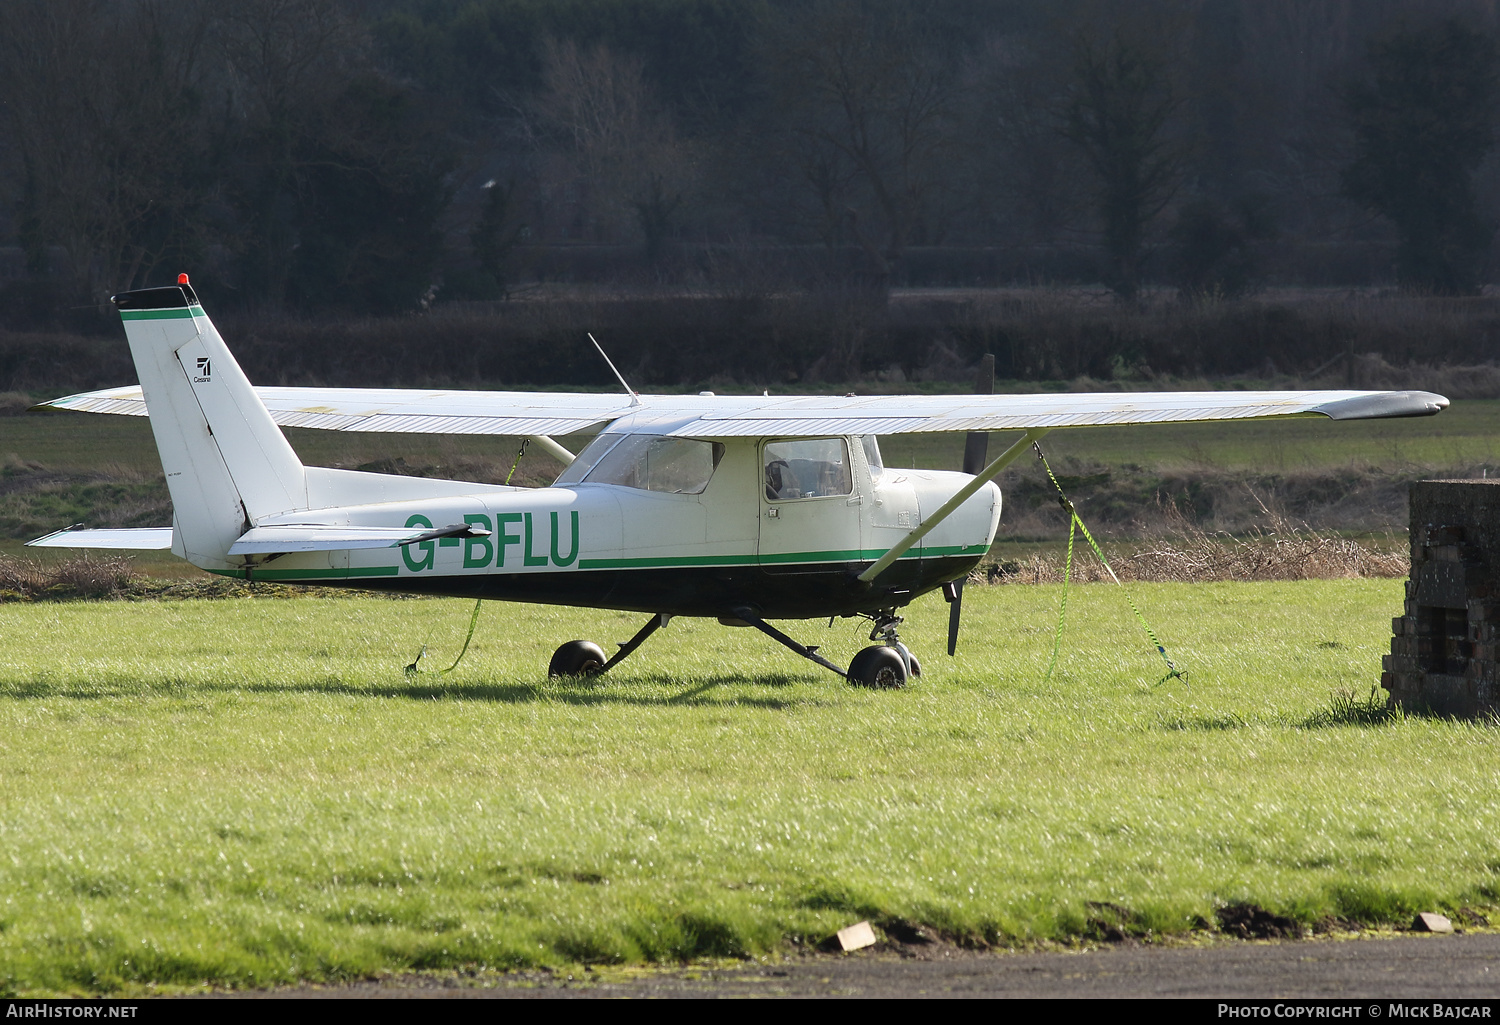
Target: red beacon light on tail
182,279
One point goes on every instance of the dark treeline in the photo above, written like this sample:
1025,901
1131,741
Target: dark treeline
312,156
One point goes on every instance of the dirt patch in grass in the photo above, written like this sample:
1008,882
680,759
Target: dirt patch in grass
1252,922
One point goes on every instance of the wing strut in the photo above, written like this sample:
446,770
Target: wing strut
964,494
553,449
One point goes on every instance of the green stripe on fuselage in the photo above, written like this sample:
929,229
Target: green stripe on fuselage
311,574
845,555
178,313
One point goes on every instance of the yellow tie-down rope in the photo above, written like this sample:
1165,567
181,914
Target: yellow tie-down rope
413,670
1075,524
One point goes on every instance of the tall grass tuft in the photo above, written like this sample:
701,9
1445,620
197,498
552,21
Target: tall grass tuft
83,576
1345,708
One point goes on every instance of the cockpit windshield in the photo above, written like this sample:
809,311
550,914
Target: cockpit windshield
872,455
650,462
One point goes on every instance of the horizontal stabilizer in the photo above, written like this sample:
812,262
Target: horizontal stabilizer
140,539
321,537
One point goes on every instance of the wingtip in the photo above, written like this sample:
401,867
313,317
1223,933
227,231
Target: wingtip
1384,405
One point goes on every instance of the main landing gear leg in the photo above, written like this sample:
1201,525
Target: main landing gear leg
809,652
585,658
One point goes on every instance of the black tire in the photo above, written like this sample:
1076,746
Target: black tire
879,667
577,658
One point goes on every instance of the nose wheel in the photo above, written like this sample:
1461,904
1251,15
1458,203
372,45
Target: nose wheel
878,667
888,664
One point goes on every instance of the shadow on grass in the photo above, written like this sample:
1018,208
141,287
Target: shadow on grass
703,692
1202,723
1344,709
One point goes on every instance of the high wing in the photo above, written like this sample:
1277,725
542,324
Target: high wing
726,416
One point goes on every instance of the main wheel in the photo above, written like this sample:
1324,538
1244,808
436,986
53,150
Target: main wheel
878,666
577,658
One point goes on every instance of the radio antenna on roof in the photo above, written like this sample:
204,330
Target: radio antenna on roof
635,400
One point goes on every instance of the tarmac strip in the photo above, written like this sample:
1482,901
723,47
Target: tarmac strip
1398,967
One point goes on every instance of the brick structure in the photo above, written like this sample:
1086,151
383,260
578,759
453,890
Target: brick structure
1445,652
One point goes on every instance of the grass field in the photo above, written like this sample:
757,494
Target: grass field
245,792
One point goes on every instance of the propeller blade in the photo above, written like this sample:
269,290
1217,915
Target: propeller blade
976,452
977,444
955,610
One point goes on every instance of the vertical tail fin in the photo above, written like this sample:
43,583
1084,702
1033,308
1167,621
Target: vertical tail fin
226,461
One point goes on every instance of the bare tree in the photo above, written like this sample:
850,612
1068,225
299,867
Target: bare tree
1117,110
1424,121
617,144
102,104
1033,178
288,59
866,111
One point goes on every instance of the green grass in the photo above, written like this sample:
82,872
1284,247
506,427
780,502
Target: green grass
245,792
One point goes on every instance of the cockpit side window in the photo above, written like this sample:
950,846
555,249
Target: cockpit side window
650,462
807,468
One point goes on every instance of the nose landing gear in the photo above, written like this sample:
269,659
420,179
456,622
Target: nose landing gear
889,664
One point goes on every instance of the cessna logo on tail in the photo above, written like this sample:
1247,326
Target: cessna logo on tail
205,370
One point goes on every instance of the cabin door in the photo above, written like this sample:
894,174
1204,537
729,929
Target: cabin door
810,506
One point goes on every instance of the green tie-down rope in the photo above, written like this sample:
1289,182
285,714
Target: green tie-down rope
1075,524
412,669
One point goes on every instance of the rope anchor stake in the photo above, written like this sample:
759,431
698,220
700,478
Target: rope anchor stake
412,669
1075,526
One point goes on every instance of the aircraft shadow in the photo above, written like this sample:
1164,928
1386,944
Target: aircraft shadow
704,692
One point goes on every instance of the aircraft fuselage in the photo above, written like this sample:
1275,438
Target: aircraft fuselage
735,543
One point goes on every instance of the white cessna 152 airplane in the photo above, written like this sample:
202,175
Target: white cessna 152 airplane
743,508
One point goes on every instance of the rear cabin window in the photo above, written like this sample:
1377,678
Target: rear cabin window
650,462
807,468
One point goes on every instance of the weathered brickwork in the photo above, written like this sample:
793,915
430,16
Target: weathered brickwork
1445,648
